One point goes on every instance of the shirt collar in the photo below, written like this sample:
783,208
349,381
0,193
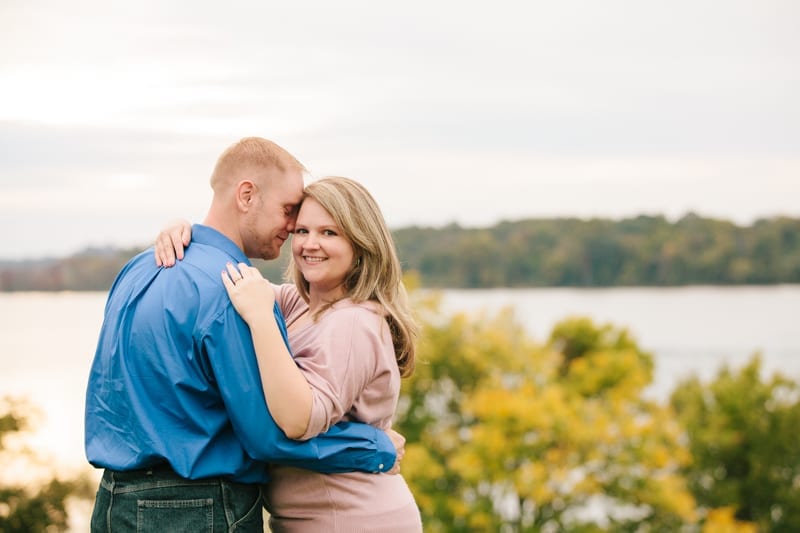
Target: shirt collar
207,235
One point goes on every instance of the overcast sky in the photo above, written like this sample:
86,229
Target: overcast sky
113,113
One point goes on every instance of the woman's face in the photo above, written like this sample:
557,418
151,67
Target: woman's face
321,250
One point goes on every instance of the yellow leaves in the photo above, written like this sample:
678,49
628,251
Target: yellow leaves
530,480
722,520
470,465
501,404
668,492
520,409
659,457
494,411
494,418
418,461
480,341
480,521
421,471
619,373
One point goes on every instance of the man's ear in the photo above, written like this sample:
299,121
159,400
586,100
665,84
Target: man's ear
245,194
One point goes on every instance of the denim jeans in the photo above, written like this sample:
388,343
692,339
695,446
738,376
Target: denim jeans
159,500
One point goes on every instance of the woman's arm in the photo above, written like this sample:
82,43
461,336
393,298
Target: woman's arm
351,352
287,392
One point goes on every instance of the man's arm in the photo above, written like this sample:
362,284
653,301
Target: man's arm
345,447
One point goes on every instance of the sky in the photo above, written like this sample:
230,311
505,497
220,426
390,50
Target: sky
112,114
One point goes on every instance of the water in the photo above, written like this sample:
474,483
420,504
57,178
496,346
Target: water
47,340
689,330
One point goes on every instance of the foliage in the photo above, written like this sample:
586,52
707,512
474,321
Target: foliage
90,270
640,251
507,435
743,439
22,508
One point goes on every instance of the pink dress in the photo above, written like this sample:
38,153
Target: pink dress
348,359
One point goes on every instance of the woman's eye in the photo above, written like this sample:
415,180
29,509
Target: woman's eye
329,233
301,231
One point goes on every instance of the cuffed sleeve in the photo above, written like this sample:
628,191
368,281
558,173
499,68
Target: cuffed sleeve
340,364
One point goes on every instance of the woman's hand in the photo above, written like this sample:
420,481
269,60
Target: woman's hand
399,442
251,294
288,395
171,241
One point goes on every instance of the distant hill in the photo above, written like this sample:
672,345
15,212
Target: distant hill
563,252
93,269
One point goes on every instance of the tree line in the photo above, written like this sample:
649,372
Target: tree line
640,251
563,252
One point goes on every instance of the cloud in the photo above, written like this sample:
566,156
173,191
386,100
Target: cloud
446,110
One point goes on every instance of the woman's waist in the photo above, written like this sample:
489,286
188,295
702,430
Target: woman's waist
295,488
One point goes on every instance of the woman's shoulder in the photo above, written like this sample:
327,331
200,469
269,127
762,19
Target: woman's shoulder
285,290
289,299
349,308
347,315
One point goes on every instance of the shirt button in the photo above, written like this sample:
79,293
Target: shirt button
380,466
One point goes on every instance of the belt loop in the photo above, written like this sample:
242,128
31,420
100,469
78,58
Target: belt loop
111,499
227,503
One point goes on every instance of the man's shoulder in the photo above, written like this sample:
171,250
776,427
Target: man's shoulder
198,273
207,257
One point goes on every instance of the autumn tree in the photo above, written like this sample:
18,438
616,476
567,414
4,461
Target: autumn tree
743,439
505,434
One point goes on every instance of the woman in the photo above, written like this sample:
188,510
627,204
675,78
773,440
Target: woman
352,337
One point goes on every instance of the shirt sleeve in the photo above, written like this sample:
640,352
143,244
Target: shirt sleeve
288,299
345,447
341,363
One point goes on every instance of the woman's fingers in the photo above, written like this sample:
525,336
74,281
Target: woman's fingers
178,240
165,252
233,272
247,271
226,280
241,271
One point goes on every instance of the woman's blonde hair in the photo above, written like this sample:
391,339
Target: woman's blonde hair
375,274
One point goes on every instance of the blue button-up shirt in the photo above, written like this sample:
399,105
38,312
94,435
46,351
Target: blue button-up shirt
175,380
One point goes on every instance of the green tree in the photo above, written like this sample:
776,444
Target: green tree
743,439
501,437
42,508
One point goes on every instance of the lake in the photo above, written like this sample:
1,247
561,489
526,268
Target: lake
47,340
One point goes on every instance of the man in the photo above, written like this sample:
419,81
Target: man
175,412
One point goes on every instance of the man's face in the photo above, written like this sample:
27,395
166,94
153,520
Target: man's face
271,220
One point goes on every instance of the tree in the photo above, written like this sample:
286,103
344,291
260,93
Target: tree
43,508
508,435
743,439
